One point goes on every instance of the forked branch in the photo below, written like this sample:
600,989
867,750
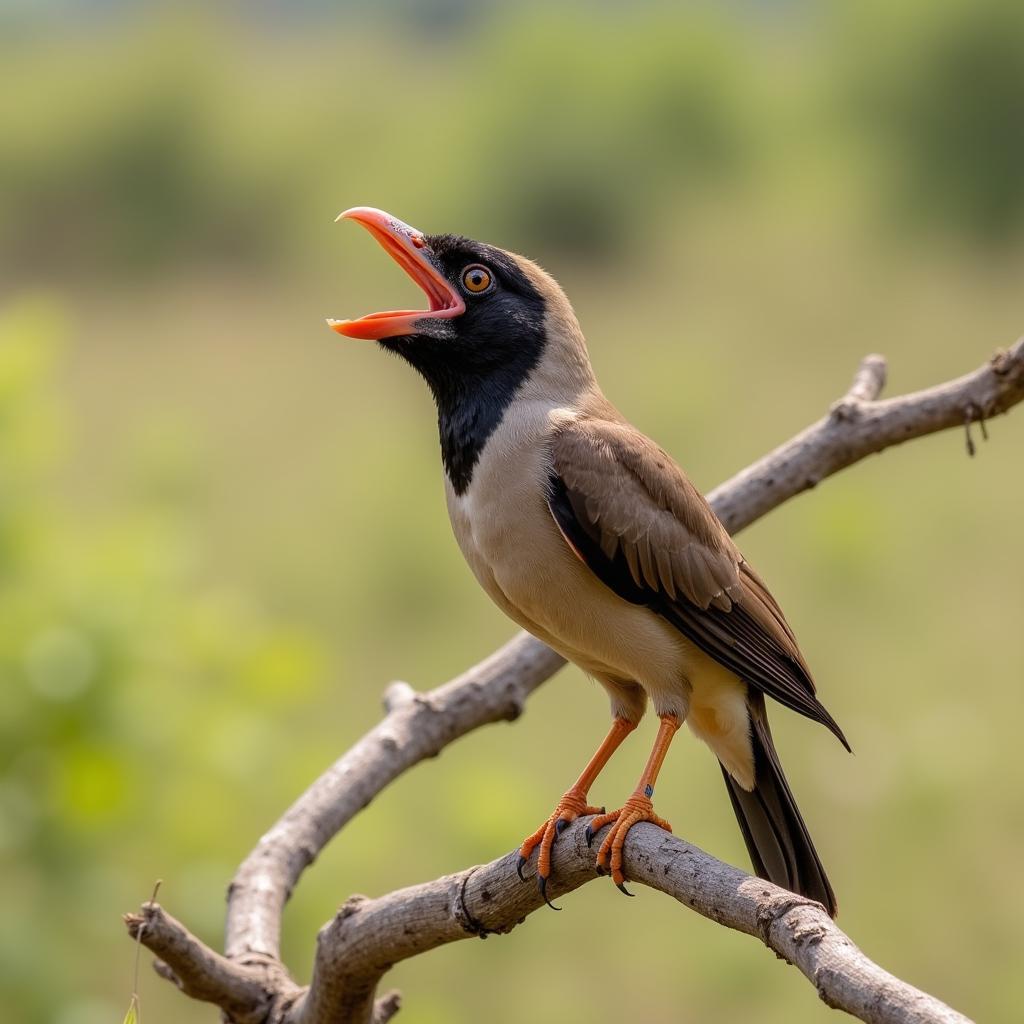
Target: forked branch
366,937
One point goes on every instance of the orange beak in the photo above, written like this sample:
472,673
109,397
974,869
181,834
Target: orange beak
408,248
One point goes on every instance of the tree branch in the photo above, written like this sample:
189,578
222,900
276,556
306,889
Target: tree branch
366,937
417,726
246,993
856,427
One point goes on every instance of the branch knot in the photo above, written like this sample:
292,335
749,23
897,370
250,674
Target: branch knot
351,906
1002,361
773,907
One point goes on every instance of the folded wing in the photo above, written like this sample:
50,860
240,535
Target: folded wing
635,519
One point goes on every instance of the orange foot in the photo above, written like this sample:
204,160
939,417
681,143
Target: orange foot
637,808
569,808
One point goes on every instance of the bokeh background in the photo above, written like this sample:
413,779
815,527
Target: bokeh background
222,529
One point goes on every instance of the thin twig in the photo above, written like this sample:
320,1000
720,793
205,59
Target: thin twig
867,384
837,441
246,992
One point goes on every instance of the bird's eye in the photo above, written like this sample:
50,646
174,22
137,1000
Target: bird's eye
476,279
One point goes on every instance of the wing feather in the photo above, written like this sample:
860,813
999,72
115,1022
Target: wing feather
642,528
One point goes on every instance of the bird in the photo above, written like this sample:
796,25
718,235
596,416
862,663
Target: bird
591,537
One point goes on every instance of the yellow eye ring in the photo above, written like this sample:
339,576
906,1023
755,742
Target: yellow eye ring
476,279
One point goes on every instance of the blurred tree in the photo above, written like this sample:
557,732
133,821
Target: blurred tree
99,626
583,144
941,92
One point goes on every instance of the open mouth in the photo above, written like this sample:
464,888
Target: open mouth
408,248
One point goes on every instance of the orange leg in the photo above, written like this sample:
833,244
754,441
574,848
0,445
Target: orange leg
637,808
570,807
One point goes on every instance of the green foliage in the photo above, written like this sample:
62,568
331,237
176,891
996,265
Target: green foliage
108,648
947,111
582,143
569,129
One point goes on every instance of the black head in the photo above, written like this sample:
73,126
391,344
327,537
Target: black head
476,344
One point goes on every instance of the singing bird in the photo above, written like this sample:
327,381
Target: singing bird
588,535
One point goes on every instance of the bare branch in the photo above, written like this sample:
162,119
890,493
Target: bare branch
368,936
868,381
855,428
387,1006
245,992
417,726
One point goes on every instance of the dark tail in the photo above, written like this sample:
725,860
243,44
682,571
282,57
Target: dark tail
777,839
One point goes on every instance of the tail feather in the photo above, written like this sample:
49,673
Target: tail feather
777,839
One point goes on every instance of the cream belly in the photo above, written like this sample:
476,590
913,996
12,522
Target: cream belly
514,548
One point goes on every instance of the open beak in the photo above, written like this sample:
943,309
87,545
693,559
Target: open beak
408,248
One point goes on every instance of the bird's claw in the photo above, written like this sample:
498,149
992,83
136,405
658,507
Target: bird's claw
588,832
609,856
542,884
572,806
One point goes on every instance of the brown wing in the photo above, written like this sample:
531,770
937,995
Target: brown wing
643,529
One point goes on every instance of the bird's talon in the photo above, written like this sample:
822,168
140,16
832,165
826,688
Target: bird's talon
572,806
588,835
600,870
609,856
542,884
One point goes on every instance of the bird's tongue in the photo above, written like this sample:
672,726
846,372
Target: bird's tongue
408,248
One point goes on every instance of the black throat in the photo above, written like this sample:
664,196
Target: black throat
471,399
488,352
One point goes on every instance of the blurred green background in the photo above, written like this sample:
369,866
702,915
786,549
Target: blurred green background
222,529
